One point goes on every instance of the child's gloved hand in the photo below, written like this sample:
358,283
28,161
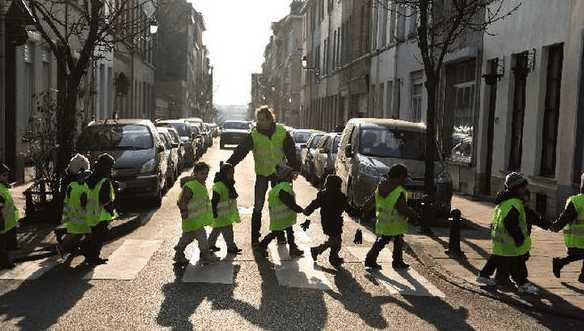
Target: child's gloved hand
358,237
305,225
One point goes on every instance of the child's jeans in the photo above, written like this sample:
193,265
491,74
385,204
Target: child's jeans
199,235
227,232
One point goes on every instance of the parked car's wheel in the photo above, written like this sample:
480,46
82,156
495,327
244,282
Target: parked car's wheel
158,199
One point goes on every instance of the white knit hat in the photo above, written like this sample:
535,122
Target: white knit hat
78,164
514,180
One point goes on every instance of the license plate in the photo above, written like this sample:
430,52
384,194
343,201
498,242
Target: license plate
417,195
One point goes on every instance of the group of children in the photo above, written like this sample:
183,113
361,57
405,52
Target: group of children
511,236
220,212
88,198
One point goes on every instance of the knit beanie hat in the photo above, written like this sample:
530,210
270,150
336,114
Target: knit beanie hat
515,180
78,164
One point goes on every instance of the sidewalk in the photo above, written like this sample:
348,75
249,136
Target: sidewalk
565,295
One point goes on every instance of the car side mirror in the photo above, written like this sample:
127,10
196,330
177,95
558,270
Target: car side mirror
349,151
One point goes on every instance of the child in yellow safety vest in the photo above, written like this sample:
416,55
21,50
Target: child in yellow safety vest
572,221
196,213
393,214
511,237
8,217
283,211
225,213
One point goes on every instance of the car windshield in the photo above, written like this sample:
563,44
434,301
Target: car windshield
182,128
301,137
392,143
336,144
315,141
236,126
174,137
115,137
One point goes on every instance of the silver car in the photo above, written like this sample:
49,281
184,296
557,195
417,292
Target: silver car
172,150
326,155
367,149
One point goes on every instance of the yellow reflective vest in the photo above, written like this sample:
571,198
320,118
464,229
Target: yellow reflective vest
9,211
503,243
75,216
281,217
268,152
574,232
97,212
227,212
389,221
199,213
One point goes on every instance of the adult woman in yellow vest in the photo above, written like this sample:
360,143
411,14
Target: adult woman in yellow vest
8,217
225,213
392,213
100,207
75,216
271,146
572,221
196,213
283,211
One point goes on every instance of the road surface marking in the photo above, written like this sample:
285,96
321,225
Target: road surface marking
214,273
403,282
127,261
29,269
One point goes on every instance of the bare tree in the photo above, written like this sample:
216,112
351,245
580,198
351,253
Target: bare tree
78,32
441,27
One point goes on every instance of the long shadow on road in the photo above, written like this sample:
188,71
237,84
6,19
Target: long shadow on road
38,304
280,308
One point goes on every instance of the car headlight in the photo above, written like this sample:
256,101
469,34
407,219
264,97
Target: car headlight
443,177
148,166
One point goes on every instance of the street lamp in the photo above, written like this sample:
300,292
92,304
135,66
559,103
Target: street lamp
306,67
304,62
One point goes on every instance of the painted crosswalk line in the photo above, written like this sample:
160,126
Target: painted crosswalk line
403,282
127,261
297,272
215,273
29,269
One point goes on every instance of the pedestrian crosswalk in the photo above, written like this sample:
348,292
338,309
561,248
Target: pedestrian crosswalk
29,270
128,260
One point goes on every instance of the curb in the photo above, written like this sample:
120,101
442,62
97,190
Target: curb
436,270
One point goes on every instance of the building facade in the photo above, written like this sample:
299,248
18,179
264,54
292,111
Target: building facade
532,101
184,75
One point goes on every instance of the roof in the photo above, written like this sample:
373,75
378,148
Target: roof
390,123
121,121
170,121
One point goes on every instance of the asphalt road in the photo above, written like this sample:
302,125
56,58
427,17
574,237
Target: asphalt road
155,296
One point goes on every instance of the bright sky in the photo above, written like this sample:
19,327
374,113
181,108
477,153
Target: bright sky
237,33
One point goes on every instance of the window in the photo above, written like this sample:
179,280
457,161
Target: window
46,59
552,110
392,22
518,116
372,104
412,22
380,97
459,119
387,113
417,95
374,24
28,77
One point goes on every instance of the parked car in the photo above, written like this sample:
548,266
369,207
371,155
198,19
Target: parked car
325,156
181,148
233,132
308,153
301,137
213,128
187,138
172,169
368,147
198,123
141,166
198,141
